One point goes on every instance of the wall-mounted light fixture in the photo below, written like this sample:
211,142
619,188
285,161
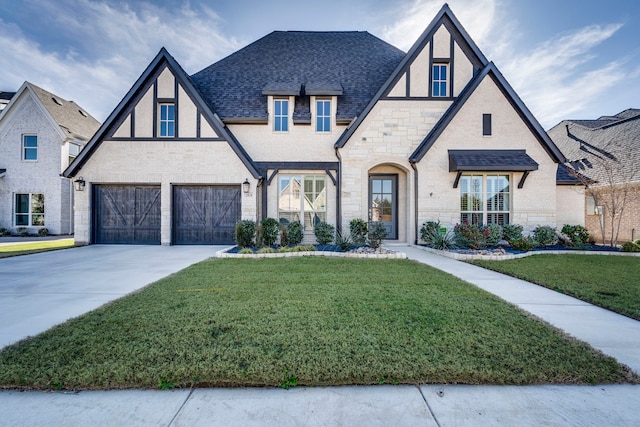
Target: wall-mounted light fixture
246,186
79,184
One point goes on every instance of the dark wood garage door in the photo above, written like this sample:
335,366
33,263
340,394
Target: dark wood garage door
205,214
127,214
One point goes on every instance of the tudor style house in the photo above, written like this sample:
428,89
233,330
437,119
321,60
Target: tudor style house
606,154
318,126
40,135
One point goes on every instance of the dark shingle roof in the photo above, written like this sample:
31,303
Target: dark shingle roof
593,151
7,95
490,160
356,61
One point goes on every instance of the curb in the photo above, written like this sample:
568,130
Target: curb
396,255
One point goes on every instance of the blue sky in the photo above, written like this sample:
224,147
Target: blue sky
565,58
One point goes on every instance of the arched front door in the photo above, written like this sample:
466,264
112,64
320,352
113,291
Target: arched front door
383,202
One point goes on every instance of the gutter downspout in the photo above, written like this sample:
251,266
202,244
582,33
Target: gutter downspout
339,192
415,200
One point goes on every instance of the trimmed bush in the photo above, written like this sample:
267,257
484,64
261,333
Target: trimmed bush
377,233
43,232
524,243
493,233
245,233
324,233
359,230
470,236
270,230
578,234
266,250
4,232
631,247
295,232
545,235
511,232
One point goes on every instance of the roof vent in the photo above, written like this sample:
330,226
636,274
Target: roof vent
56,100
83,114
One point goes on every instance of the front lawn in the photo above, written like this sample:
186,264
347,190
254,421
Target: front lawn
305,321
612,282
34,247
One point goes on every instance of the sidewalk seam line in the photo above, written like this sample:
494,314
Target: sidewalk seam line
180,408
428,406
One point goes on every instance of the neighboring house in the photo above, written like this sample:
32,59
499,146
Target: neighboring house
5,97
40,134
319,126
606,151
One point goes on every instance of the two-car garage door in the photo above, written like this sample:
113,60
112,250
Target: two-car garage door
201,214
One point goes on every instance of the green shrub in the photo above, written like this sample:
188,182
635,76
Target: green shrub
270,229
22,231
303,248
524,243
284,235
631,247
377,233
441,241
4,232
245,232
246,251
511,232
471,236
295,232
578,234
429,230
493,233
266,250
343,241
545,235
324,233
359,230
43,232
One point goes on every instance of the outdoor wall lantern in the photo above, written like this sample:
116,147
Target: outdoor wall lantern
246,186
79,184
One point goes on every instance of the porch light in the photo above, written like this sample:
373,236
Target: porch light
246,186
79,184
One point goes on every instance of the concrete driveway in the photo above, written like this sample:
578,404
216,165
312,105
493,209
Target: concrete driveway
42,290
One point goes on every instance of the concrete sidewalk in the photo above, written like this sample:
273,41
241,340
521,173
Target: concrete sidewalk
428,405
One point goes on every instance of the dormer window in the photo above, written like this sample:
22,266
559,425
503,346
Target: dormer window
439,80
167,120
281,115
323,115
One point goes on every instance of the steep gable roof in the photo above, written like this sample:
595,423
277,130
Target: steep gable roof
490,71
354,62
612,148
70,117
163,59
444,17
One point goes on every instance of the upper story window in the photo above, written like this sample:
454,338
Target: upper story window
281,115
439,80
486,125
167,120
323,116
74,150
29,147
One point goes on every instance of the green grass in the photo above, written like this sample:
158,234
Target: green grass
612,282
34,247
303,321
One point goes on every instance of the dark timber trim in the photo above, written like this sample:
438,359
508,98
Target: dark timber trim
457,180
523,179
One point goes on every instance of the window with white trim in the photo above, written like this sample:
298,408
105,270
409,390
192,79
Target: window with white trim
439,78
74,150
323,115
30,147
281,115
302,198
485,199
29,210
167,120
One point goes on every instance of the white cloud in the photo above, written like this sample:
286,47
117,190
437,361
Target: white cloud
113,46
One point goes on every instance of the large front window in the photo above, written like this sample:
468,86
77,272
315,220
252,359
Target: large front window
29,147
302,198
281,115
485,199
167,120
29,210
